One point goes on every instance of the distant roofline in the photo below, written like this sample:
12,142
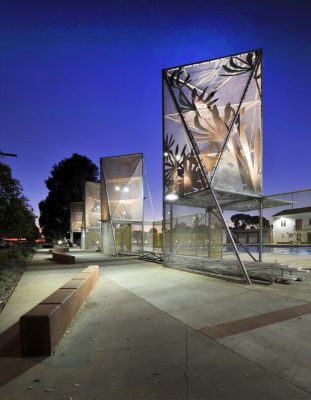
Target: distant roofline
301,210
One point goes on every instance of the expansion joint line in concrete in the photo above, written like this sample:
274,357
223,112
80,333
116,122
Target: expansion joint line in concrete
257,321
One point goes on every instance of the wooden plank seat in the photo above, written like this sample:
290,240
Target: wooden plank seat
43,326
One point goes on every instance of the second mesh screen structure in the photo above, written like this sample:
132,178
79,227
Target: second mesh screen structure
122,203
76,222
92,215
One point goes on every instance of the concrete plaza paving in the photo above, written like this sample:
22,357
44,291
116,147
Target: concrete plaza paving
144,333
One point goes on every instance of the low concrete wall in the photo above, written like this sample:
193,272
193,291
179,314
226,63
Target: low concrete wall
43,326
63,258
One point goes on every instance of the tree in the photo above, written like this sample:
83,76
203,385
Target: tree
16,216
244,221
65,185
240,220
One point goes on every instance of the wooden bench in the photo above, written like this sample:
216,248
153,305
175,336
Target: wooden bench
63,258
42,327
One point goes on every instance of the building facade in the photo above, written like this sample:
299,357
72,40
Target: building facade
292,226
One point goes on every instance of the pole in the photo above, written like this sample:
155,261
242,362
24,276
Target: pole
260,229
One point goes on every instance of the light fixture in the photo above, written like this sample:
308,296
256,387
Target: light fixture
117,188
165,154
171,197
126,189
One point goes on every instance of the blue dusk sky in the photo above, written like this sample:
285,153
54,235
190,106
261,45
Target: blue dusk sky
85,77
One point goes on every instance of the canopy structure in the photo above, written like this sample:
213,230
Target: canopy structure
212,150
122,203
230,201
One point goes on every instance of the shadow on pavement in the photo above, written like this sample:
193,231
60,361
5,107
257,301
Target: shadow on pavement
11,362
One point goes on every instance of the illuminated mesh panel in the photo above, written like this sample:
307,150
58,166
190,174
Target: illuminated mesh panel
128,237
76,216
179,223
240,165
105,214
122,203
208,95
107,232
196,234
92,214
124,186
181,171
123,236
130,205
92,205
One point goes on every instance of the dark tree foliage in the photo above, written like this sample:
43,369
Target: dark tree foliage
182,227
246,221
65,185
16,216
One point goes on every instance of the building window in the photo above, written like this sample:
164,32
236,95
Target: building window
298,224
309,221
283,236
283,223
290,235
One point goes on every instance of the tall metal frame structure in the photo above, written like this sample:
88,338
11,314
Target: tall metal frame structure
91,216
212,148
76,219
122,203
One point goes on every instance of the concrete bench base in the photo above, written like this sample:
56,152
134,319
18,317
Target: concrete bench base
63,258
44,325
9,342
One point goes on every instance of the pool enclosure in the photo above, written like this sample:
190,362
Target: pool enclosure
122,204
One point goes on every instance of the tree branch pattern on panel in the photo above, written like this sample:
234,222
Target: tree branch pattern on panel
209,123
182,174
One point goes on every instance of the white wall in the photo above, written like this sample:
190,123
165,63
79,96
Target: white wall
288,233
